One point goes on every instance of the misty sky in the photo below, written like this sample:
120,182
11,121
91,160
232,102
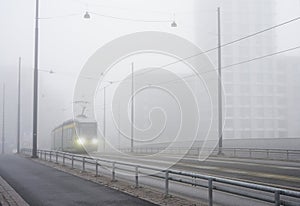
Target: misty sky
67,41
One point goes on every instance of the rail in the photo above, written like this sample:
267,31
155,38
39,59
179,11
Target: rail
263,193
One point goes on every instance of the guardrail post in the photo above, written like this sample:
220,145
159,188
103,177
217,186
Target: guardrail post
137,176
113,172
167,183
63,159
50,156
287,155
268,154
56,157
45,155
96,168
277,198
72,159
83,164
210,192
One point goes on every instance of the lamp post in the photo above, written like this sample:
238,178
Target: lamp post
119,127
220,125
3,121
35,83
19,106
35,80
104,117
132,107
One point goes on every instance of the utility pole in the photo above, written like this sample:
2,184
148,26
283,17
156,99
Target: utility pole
19,107
104,117
220,126
62,136
119,127
3,120
132,107
35,84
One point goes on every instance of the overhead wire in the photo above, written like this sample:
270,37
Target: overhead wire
230,43
130,19
214,48
233,65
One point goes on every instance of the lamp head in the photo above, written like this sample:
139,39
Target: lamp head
173,24
87,15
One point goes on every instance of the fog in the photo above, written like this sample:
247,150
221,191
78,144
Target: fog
67,42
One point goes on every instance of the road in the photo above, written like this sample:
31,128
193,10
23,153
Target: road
280,174
42,185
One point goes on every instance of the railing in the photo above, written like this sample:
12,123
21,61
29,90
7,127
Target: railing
260,153
274,195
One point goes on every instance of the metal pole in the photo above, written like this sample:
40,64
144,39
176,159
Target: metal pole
210,192
167,183
219,85
3,120
35,85
132,107
62,136
113,172
277,198
136,176
119,128
19,106
104,117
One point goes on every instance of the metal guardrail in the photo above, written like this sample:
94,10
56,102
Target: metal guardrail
274,195
259,153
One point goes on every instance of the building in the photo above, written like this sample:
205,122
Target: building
255,92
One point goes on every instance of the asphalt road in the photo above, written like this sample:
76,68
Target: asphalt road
42,186
280,174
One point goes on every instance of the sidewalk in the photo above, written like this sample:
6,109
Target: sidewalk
42,185
8,196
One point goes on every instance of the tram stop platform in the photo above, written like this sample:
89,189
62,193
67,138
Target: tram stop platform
27,182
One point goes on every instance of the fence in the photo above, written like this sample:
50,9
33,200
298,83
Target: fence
274,195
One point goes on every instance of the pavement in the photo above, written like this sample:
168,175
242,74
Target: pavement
8,196
41,185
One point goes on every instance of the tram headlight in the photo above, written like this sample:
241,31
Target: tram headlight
95,141
80,141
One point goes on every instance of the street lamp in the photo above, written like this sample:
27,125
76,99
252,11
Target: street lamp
173,24
3,121
104,114
35,84
220,125
19,106
35,80
132,107
87,15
